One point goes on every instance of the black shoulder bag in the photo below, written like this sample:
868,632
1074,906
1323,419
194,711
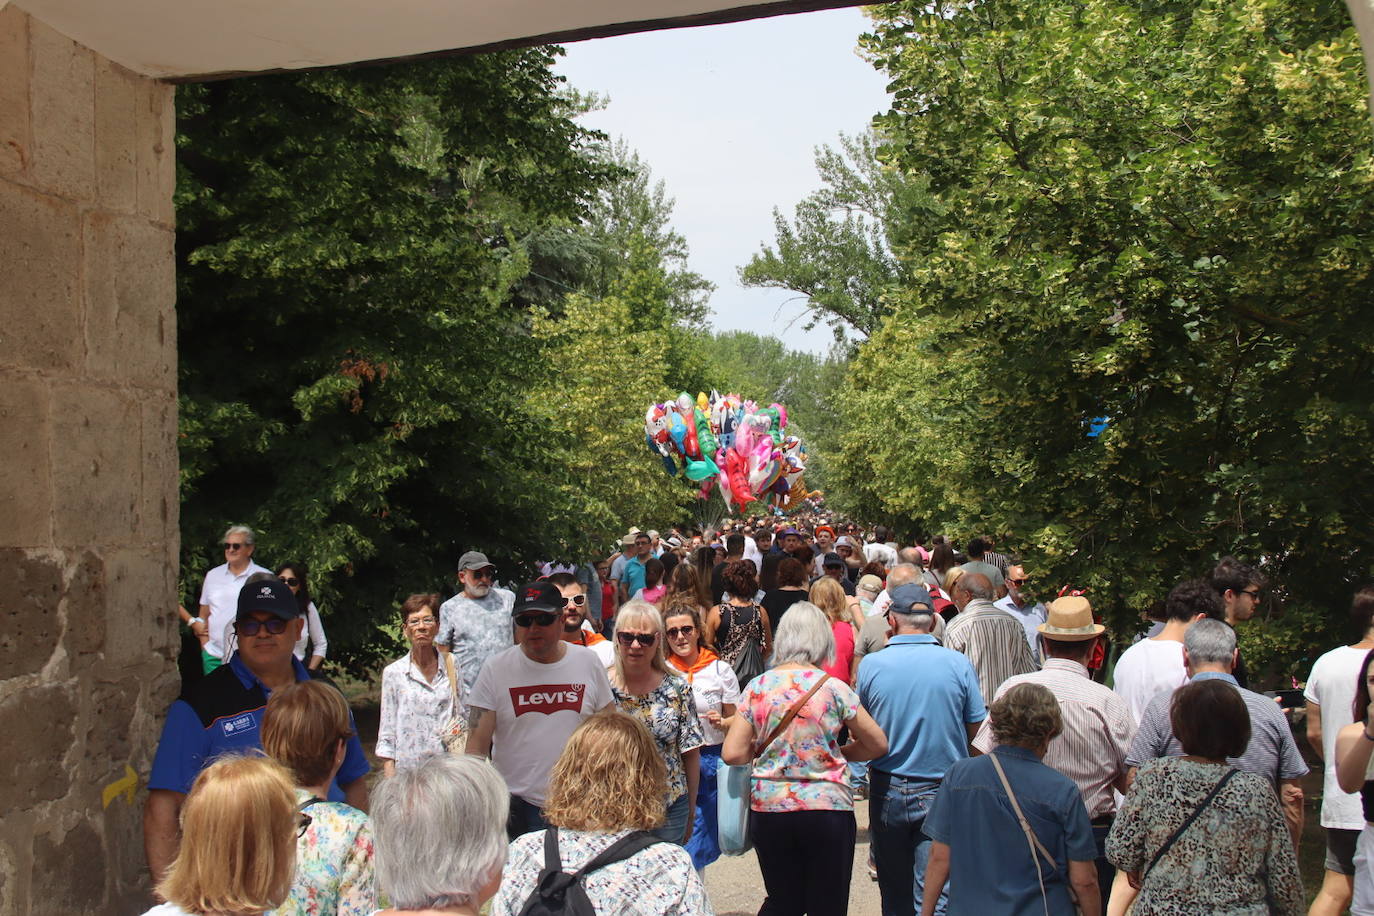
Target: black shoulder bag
559,892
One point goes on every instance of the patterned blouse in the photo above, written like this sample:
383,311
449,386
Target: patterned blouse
1235,859
658,881
802,770
333,863
414,712
670,714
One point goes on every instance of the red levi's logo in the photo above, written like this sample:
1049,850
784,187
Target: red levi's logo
547,698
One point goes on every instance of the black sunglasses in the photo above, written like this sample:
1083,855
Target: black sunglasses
644,639
291,581
535,620
674,632
486,572
276,626
229,546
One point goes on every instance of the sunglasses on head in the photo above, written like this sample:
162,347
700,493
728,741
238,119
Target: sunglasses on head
231,546
644,639
250,627
535,620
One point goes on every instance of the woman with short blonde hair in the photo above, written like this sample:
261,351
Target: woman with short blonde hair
607,785
238,842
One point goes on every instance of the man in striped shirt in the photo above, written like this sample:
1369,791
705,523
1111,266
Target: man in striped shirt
1091,750
992,639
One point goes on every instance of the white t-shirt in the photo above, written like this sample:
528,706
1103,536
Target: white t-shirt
1332,687
712,685
220,594
537,708
1147,669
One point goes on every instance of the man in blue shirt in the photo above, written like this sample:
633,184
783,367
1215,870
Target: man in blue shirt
928,702
222,713
634,567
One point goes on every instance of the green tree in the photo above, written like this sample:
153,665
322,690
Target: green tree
1150,212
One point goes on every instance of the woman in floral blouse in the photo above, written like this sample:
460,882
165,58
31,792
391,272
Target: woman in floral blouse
605,785
305,729
421,692
645,688
802,817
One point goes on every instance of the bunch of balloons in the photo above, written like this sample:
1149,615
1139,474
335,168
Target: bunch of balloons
726,441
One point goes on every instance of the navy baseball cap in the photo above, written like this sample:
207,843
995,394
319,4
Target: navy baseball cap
833,559
542,595
906,598
270,596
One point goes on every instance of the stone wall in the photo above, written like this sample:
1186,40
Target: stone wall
88,501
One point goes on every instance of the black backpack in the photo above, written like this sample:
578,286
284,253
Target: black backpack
561,893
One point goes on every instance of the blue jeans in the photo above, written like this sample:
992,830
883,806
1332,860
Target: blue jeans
897,807
524,818
675,826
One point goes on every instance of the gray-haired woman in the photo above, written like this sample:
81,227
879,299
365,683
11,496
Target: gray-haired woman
440,835
802,817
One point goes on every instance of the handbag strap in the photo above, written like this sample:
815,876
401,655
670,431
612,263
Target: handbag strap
1032,841
791,714
450,670
1202,805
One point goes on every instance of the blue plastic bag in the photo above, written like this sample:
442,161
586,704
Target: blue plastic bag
732,808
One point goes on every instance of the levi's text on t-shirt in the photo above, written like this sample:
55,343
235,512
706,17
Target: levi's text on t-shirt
547,698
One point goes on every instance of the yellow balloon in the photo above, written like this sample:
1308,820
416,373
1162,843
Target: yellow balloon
703,402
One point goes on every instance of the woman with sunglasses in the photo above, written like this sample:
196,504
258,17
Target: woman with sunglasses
644,687
421,692
238,842
715,691
306,729
296,577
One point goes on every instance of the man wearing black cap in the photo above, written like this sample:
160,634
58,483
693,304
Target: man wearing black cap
222,713
529,699
833,565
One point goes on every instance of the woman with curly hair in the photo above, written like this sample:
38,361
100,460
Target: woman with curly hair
978,842
607,787
740,624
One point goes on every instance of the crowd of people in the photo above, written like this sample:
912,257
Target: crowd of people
559,746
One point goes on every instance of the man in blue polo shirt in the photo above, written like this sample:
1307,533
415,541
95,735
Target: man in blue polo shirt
929,704
222,713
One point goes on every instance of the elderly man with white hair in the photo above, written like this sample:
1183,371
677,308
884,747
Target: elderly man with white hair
219,596
897,576
991,638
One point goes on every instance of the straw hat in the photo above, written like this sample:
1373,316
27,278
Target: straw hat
1071,620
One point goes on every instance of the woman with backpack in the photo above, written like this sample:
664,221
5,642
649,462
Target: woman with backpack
605,796
739,627
802,810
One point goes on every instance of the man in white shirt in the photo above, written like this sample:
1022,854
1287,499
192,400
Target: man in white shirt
220,594
1020,604
1155,665
475,623
529,699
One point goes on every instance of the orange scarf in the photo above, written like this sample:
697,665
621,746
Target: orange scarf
704,657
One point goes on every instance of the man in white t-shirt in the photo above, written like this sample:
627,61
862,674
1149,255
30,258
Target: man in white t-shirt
1330,695
529,699
1155,665
219,596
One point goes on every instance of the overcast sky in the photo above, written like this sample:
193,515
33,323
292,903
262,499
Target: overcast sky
729,117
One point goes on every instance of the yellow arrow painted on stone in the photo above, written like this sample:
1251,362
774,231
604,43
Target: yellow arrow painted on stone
125,786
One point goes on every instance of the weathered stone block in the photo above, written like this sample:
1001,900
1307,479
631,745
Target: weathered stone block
140,614
26,488
15,139
85,601
69,871
29,622
96,456
38,726
62,100
158,509
116,136
157,171
40,255
130,291
108,746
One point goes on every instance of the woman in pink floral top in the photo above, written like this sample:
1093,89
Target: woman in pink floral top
304,728
802,820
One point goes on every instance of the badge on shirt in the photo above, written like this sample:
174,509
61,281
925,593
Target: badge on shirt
237,725
547,698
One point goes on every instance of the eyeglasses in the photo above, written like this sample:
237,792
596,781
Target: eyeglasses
303,821
421,622
578,600
291,581
231,546
276,626
675,632
535,620
486,572
1019,582
1253,594
644,639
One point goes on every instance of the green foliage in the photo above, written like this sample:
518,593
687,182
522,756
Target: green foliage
1153,212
